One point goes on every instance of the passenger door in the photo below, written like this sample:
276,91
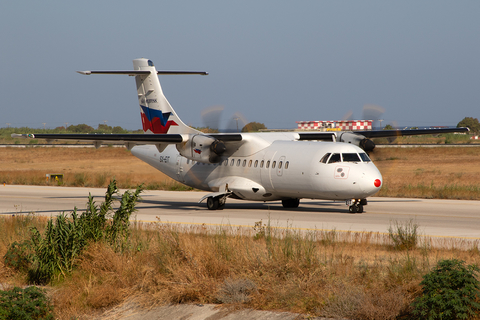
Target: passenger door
179,168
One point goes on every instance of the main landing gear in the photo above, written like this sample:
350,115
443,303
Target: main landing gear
357,205
290,203
216,203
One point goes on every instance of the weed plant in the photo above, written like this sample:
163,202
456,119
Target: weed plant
236,291
404,236
55,251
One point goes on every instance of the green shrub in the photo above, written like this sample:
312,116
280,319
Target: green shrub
450,291
25,304
18,256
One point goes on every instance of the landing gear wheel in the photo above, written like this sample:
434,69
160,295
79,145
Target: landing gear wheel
213,203
290,203
357,206
353,208
360,208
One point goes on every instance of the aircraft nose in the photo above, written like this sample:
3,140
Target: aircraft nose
371,182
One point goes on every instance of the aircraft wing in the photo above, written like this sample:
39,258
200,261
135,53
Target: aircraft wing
122,138
214,145
328,136
130,140
319,136
226,136
407,132
106,138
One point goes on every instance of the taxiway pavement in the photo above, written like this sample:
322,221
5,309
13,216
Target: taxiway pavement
437,218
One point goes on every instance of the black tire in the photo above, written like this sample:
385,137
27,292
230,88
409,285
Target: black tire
360,208
290,203
212,203
353,209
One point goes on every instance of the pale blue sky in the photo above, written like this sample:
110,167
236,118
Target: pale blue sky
276,62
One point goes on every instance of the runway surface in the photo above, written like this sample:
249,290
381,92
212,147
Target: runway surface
438,218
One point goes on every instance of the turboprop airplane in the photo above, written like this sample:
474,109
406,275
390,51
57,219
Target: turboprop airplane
267,166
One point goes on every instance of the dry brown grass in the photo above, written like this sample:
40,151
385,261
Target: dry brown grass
80,166
446,173
449,173
291,271
322,273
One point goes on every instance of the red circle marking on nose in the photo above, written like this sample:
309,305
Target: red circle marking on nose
377,183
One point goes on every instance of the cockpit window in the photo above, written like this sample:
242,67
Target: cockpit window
350,157
335,158
150,63
364,157
325,158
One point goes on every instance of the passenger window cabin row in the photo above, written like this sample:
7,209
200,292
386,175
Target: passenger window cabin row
239,162
327,158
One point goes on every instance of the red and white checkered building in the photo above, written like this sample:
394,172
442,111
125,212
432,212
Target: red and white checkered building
344,125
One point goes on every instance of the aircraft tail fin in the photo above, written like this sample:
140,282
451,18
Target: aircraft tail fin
157,114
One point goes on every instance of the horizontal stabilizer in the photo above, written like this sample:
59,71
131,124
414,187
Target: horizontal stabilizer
141,72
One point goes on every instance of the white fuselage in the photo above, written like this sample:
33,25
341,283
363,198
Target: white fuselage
276,167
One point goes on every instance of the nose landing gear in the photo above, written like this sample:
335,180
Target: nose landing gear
356,205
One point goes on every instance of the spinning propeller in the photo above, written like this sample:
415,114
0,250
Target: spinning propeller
211,118
210,146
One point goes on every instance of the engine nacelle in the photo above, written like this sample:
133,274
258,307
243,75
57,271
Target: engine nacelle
202,148
358,140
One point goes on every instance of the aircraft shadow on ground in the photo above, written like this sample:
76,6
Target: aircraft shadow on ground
96,198
44,212
323,207
395,200
313,207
